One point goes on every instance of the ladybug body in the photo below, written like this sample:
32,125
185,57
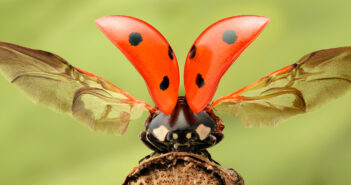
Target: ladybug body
177,123
182,130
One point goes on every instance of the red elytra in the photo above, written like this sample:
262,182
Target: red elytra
150,53
216,50
209,58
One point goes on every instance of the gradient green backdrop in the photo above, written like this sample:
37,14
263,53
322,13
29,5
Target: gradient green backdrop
40,147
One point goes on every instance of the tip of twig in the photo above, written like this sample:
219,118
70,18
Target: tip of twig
181,168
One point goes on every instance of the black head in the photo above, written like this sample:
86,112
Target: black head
183,130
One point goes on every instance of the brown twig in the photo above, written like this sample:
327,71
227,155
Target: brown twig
181,168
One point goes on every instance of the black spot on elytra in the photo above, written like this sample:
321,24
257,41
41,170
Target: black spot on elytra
199,80
229,36
165,83
135,38
192,52
170,52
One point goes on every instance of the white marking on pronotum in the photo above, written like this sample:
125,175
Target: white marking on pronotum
160,132
203,131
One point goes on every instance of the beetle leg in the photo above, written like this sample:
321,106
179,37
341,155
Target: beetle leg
208,155
148,156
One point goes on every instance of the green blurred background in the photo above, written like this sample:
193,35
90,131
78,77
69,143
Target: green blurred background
40,147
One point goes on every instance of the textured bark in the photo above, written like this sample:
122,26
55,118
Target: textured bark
181,168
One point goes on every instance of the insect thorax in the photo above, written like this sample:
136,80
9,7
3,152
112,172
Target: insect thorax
183,130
